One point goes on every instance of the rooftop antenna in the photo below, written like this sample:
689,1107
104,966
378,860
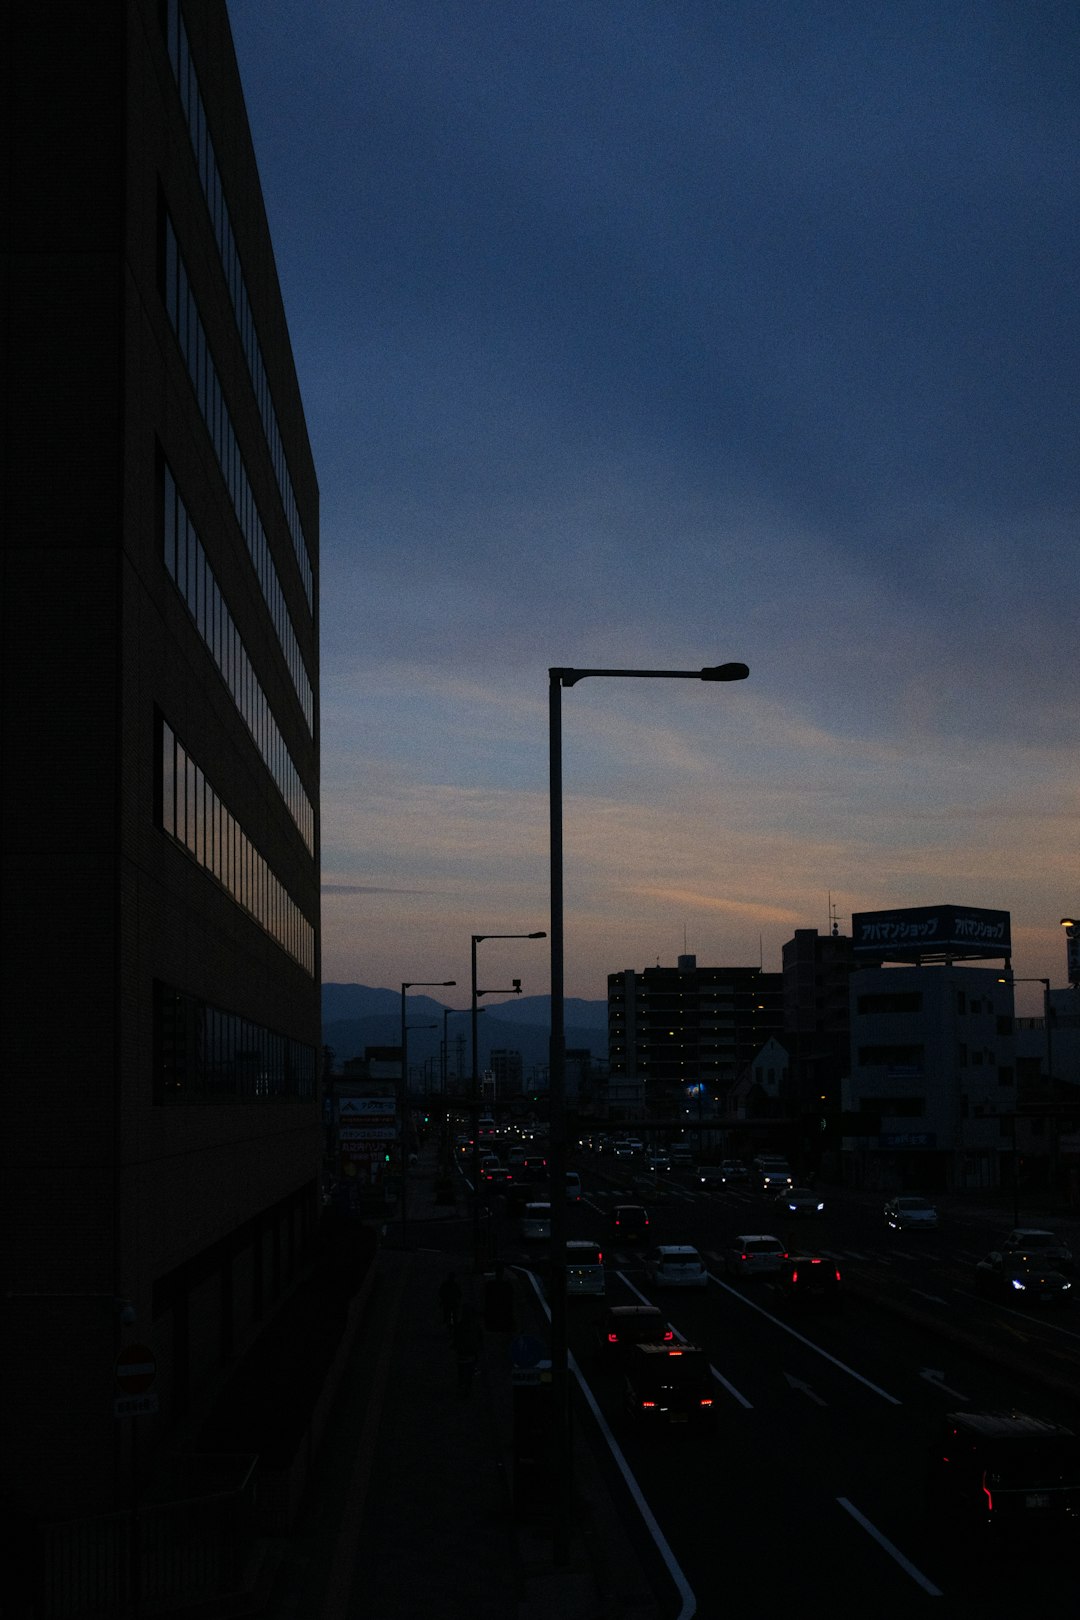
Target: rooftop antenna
834,921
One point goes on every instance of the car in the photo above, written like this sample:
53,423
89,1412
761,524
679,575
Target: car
668,1384
658,1162
584,1268
1023,1278
732,1171
907,1212
809,1279
497,1178
1004,1472
800,1201
629,1223
573,1186
516,1154
1034,1240
624,1326
676,1265
776,1180
753,1254
681,1155
536,1222
534,1166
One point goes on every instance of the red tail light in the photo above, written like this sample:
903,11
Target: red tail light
648,1403
838,1273
794,1277
613,1338
706,1400
669,1336
988,1494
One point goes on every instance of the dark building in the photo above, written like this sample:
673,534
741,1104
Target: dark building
817,1017
671,1028
161,1041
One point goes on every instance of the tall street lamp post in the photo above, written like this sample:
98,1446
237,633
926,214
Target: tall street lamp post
562,1459
403,1101
515,990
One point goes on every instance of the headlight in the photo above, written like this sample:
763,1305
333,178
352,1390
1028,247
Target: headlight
820,1208
1018,1285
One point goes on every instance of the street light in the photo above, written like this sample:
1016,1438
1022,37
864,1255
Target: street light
1072,949
403,1105
476,940
560,1389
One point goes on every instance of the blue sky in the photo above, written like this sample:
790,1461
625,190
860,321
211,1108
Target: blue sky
657,335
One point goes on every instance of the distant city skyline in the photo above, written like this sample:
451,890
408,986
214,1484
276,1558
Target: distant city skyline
659,337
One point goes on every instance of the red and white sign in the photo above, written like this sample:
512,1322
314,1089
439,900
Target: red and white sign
136,1369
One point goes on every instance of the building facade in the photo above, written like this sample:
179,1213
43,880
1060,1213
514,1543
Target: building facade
931,1100
672,1030
161,1129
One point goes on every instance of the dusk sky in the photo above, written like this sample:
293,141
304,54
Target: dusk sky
656,335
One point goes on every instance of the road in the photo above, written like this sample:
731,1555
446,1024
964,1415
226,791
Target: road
813,1473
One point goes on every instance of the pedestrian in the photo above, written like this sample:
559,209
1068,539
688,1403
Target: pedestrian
450,1301
468,1341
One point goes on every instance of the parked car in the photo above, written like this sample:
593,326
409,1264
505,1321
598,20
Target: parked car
1034,1240
809,1279
1003,1473
1023,1278
676,1265
668,1384
624,1326
909,1212
754,1254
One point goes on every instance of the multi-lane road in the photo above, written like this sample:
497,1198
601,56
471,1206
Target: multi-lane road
811,1481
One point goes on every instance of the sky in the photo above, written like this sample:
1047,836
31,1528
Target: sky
653,335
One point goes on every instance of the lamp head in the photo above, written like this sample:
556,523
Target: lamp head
726,672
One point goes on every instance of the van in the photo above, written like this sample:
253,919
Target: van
584,1269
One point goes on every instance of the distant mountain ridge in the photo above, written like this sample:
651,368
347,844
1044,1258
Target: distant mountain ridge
356,1016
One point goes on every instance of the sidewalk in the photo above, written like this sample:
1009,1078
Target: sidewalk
411,1515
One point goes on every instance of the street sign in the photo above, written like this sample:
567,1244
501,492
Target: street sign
134,1405
136,1369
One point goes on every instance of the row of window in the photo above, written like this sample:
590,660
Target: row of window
191,336
205,1054
190,570
194,815
187,84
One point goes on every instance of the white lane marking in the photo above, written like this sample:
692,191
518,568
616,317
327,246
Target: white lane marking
688,1601
1023,1316
720,1379
935,1299
843,1366
894,1552
936,1377
804,1389
732,1391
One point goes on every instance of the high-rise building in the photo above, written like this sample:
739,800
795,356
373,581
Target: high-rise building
817,1020
675,1028
160,1136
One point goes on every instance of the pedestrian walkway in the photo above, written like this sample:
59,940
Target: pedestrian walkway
411,1516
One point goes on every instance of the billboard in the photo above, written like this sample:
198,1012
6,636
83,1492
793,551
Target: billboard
931,934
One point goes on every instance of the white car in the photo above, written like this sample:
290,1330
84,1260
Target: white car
907,1212
584,1268
754,1254
800,1201
676,1265
536,1222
